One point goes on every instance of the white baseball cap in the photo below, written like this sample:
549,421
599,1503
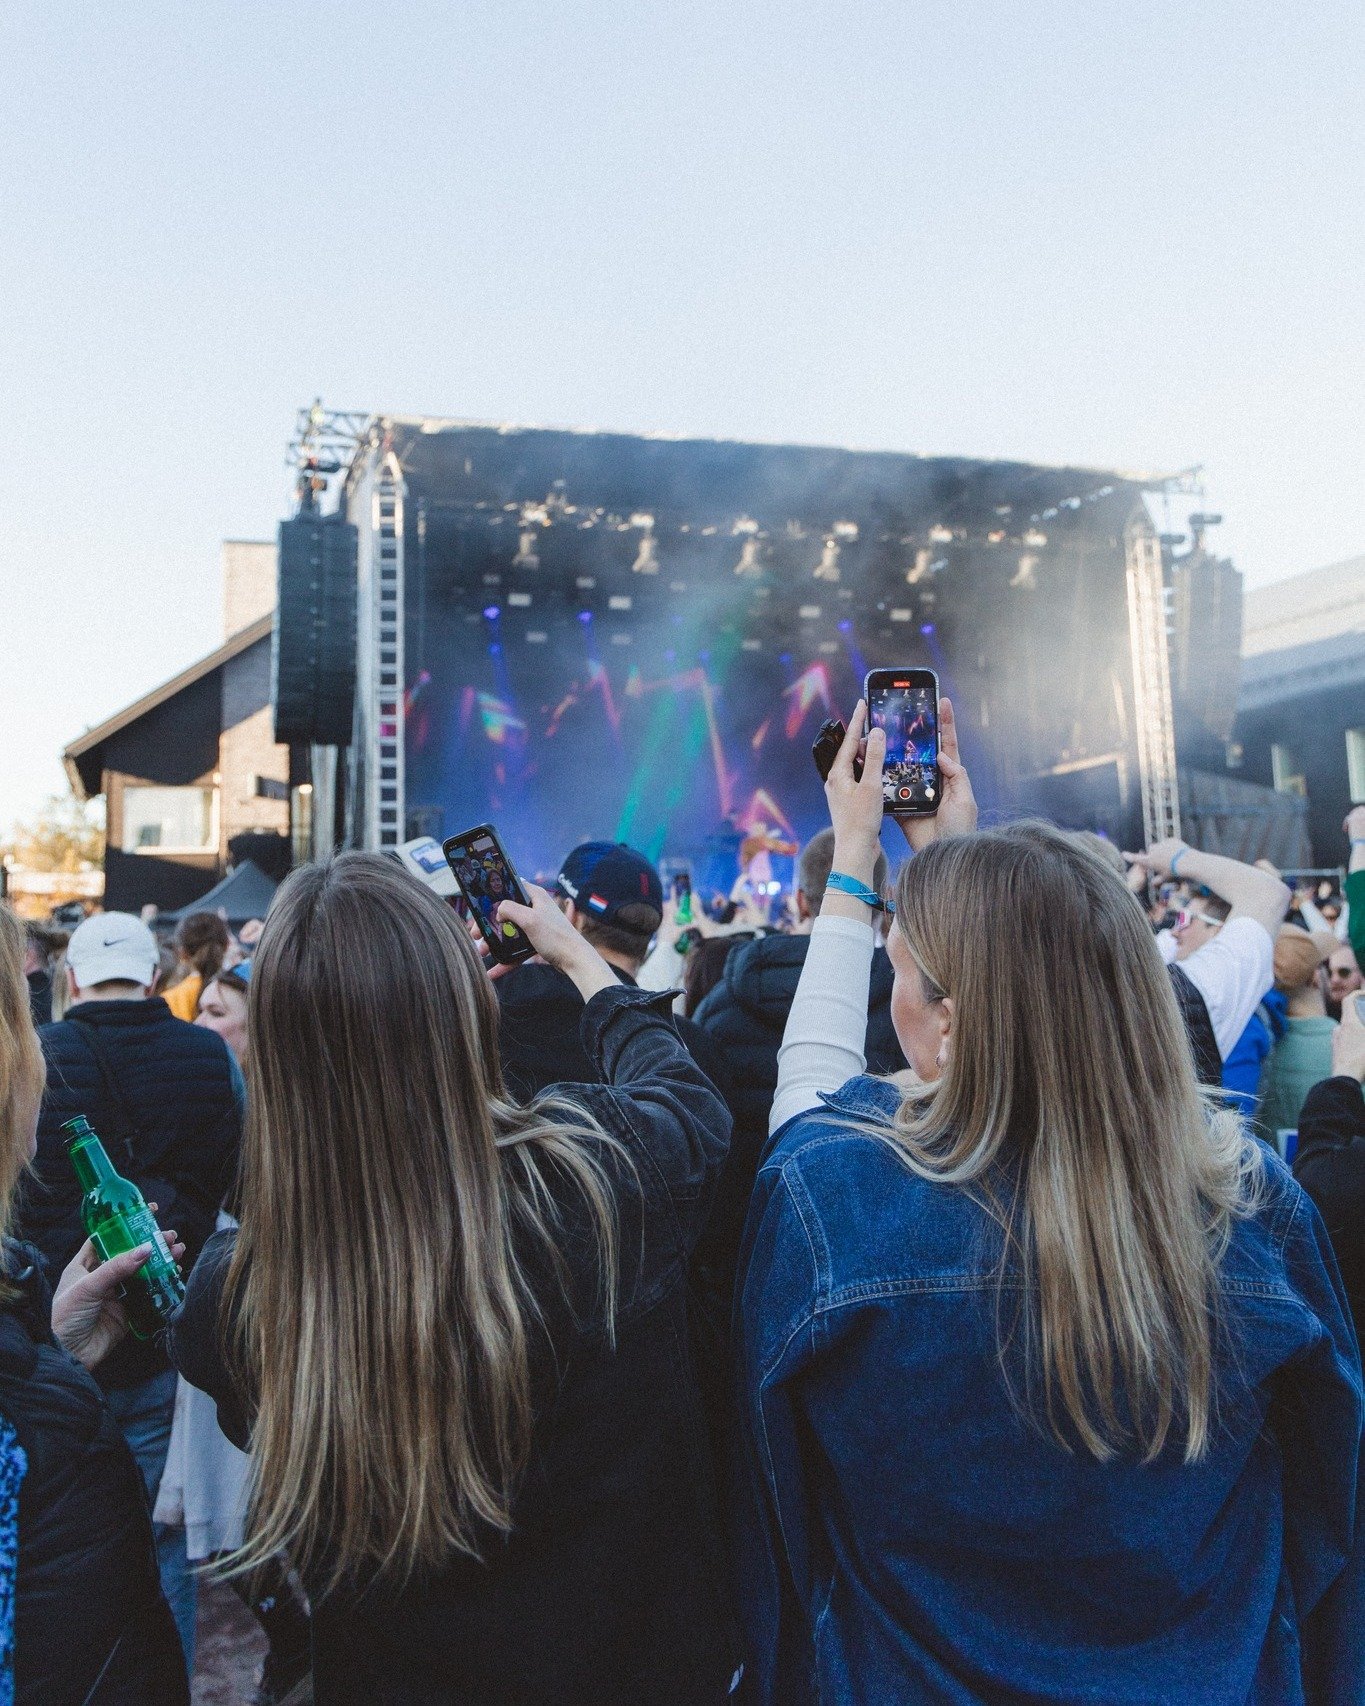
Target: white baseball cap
425,860
112,947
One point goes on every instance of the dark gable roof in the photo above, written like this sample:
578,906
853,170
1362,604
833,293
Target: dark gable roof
83,758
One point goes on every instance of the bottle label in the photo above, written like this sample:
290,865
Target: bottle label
127,1232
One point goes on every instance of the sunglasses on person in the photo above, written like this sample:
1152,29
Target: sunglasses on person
1187,916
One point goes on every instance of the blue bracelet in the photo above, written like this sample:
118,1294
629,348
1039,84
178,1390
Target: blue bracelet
841,883
1178,857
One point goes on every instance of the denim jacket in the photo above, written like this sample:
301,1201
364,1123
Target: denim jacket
911,1536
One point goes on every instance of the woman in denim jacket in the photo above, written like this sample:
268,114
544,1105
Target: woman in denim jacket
1048,1383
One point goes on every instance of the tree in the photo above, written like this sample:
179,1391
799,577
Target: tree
66,835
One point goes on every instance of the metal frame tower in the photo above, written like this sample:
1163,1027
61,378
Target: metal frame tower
1153,713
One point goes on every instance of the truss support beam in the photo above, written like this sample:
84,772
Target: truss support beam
376,804
1154,718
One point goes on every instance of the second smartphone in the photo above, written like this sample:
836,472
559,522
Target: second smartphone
487,878
904,702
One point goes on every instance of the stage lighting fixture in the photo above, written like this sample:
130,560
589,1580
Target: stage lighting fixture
491,613
845,626
647,557
1034,538
1024,577
920,567
941,535
845,530
585,616
619,601
809,612
535,636
899,615
927,629
526,557
519,600
750,645
585,583
827,569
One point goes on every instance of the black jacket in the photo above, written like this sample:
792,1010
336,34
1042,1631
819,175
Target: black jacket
91,1625
1330,1165
180,1091
540,1034
746,1014
609,1590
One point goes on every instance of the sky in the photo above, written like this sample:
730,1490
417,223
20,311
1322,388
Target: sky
1123,236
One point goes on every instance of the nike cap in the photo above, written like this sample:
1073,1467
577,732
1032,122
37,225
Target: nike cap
112,947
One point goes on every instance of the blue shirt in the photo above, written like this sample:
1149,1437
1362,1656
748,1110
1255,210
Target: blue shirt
910,1537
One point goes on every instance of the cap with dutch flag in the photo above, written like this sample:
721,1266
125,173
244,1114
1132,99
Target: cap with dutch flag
600,877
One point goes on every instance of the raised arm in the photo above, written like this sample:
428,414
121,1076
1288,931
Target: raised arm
1251,893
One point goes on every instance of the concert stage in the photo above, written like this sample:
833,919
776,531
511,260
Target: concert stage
582,634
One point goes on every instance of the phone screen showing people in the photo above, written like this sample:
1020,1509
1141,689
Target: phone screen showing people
486,879
905,704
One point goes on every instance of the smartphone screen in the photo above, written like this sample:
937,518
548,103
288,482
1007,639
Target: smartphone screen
486,879
904,702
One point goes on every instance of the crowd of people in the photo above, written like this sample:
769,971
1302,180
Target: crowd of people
947,1292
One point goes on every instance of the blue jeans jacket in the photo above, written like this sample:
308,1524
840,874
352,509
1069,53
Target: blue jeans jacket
910,1537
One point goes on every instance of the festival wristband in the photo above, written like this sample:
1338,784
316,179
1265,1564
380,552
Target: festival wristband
841,883
1177,858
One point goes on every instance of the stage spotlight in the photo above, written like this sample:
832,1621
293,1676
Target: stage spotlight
585,615
491,613
927,629
920,567
941,535
1024,577
526,557
827,569
845,626
1034,538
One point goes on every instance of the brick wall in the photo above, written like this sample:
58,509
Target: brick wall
247,748
248,583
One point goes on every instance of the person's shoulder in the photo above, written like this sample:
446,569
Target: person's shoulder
851,1130
532,986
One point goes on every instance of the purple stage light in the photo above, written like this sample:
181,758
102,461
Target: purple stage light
585,615
845,626
491,613
926,628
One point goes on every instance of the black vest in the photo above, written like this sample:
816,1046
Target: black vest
1208,1062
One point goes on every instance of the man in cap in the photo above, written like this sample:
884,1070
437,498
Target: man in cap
167,1100
613,896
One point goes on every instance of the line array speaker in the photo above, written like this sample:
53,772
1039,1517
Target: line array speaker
313,654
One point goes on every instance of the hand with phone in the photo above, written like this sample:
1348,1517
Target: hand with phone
957,810
555,941
1348,1040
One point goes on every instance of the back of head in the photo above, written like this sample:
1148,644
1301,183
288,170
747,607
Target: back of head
202,938
21,1062
1298,955
617,893
815,864
705,966
380,1183
1069,1068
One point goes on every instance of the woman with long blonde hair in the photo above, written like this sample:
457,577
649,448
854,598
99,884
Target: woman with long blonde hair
1049,1389
455,1329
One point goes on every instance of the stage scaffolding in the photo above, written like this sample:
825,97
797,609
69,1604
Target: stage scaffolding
1154,717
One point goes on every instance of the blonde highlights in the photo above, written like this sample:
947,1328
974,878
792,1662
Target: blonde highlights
1069,1105
22,1071
391,1193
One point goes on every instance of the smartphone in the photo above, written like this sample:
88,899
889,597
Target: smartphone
682,895
487,878
904,702
826,749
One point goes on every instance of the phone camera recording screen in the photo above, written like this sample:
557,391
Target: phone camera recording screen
486,881
909,714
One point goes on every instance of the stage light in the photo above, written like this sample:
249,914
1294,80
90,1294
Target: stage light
809,612
618,601
526,557
491,613
1035,538
900,615
827,569
1024,577
920,567
941,535
845,626
535,637
927,629
585,615
647,557
495,649
518,600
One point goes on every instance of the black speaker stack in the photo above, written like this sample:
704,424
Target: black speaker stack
313,654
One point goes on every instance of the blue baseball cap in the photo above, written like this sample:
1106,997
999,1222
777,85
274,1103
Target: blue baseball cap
600,877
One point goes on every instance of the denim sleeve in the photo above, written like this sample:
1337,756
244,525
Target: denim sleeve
666,1111
775,1341
1317,1412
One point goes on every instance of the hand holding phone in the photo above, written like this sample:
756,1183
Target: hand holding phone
486,878
905,704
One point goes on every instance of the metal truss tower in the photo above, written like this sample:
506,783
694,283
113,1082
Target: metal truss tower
375,503
1154,716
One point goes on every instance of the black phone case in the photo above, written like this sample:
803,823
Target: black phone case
826,749
498,948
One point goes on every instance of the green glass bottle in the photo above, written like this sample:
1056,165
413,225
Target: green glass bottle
116,1219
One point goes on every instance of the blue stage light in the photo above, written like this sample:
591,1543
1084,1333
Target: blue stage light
926,628
585,615
495,650
491,613
845,626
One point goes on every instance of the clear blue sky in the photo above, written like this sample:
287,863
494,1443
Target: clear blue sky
1127,235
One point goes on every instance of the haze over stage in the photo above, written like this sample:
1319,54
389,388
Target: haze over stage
615,635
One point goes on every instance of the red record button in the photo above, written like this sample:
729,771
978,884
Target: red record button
904,794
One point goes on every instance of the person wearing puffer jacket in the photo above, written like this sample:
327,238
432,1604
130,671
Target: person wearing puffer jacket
90,1621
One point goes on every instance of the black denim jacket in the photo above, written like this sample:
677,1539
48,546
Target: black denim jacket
611,1587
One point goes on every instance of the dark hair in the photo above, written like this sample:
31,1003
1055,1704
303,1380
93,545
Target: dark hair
629,932
705,966
202,938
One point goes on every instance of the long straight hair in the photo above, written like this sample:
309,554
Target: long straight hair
22,1072
390,1193
1069,1105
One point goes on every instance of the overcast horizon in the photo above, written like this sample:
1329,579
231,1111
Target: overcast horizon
1128,239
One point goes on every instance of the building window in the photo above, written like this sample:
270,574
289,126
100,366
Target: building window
170,820
1286,772
1355,765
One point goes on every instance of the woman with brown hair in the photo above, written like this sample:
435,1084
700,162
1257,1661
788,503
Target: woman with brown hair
201,940
1049,1388
455,1329
90,1621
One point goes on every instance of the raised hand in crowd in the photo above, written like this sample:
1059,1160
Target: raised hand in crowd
88,1317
